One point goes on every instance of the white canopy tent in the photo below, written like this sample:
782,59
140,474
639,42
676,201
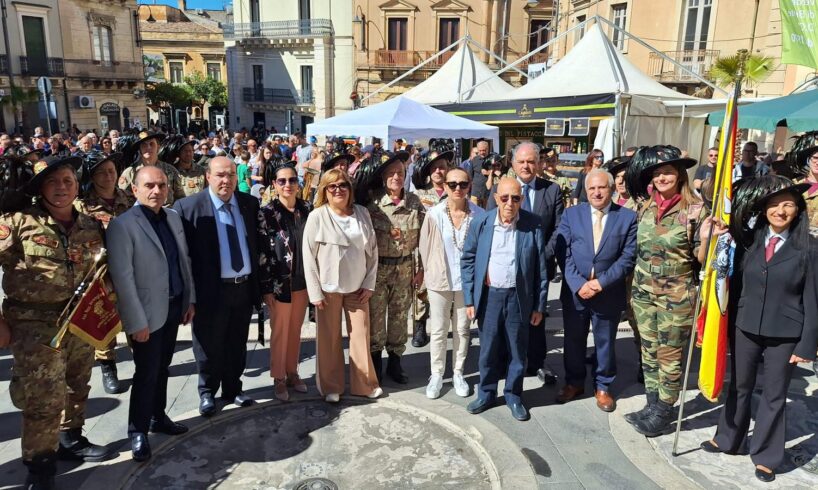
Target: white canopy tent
463,70
402,118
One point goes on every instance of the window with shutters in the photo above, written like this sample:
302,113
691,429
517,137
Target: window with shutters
397,34
620,16
449,32
103,44
177,71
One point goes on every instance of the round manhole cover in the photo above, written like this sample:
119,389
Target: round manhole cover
316,484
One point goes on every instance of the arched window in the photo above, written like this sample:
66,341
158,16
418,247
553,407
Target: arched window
103,44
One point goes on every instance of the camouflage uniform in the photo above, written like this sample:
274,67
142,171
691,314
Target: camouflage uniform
396,228
428,197
565,185
175,191
42,266
193,180
812,211
96,207
664,293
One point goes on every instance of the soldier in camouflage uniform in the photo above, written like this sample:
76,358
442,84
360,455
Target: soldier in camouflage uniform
103,201
664,283
45,251
178,151
811,195
148,146
429,179
551,173
397,217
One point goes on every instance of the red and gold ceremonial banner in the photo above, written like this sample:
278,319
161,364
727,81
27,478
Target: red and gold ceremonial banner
95,319
712,319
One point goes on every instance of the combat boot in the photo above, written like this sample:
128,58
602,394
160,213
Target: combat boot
657,422
76,447
632,417
41,471
110,381
377,362
394,369
420,337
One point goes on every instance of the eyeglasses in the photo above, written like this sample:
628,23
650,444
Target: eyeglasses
713,155
599,157
454,185
515,198
340,186
282,182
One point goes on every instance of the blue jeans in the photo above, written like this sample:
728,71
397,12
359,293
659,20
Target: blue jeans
503,345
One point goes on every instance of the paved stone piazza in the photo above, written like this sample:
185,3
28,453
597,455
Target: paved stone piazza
405,440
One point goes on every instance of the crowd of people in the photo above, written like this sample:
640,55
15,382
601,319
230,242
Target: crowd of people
208,230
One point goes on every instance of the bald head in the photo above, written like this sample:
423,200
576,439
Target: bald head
222,178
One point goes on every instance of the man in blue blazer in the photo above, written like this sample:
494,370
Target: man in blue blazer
596,249
505,286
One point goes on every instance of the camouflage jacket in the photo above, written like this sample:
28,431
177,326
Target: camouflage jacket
564,182
812,211
666,249
175,191
42,263
628,204
396,226
193,180
428,197
97,208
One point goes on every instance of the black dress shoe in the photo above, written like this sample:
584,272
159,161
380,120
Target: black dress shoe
140,447
479,406
243,400
519,412
764,476
709,447
167,426
546,376
207,405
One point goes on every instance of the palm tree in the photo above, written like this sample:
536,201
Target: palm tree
725,70
18,96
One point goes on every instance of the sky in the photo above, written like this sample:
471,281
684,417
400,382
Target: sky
191,4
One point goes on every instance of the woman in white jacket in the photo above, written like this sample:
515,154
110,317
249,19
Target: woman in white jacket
340,267
441,244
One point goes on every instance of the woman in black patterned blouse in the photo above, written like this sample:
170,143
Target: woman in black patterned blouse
281,258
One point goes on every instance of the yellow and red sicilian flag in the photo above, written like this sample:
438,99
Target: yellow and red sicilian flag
95,319
712,320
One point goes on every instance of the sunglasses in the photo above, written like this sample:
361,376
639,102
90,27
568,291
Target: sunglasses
516,198
341,186
282,182
713,155
454,185
598,157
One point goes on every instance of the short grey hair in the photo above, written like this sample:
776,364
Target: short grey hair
526,144
597,171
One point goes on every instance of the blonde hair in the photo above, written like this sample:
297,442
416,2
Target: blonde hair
683,185
332,176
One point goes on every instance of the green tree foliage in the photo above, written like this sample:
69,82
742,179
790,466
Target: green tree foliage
174,95
206,89
725,70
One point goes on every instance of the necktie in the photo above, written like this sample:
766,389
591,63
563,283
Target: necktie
597,229
236,261
526,202
769,251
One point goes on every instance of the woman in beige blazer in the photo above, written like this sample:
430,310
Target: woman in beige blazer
340,267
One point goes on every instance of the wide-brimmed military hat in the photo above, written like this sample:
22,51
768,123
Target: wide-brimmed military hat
335,158
93,159
44,168
617,164
648,158
750,196
145,135
22,151
171,147
369,175
424,169
796,190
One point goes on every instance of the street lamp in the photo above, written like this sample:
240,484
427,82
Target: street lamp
361,21
151,19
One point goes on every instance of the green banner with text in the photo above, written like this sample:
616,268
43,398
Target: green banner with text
799,32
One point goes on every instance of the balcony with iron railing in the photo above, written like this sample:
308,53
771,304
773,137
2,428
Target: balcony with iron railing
697,61
388,58
4,64
41,67
278,96
104,70
278,29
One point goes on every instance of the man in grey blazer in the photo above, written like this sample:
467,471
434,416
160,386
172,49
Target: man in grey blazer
150,269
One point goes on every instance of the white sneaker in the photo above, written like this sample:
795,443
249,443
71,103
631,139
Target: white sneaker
376,393
461,387
332,398
434,386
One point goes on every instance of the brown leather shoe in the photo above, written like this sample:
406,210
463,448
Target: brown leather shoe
568,393
605,401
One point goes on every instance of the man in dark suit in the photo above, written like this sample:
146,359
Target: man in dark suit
596,249
150,269
505,286
543,198
221,229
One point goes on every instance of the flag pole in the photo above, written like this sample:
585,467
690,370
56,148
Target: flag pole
725,141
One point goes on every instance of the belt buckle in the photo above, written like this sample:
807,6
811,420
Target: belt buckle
655,269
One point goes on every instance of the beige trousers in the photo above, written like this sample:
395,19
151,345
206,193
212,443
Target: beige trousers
285,334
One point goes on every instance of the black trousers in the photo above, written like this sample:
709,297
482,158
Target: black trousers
766,446
220,340
537,347
149,392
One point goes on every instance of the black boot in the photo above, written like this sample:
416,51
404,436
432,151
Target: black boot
395,371
632,417
41,471
76,447
657,421
377,361
420,338
110,382
640,376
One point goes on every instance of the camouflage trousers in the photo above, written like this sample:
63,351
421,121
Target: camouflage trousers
107,354
389,308
421,309
628,314
50,387
664,327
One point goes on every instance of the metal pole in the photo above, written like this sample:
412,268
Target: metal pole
617,123
11,70
501,60
725,142
463,48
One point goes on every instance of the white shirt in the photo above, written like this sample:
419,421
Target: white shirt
531,193
349,225
503,258
784,235
447,232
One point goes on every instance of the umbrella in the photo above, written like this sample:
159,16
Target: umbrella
798,112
